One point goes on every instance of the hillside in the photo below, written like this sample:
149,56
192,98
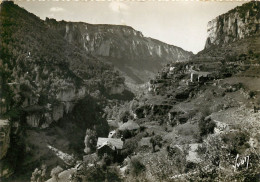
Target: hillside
195,121
137,57
43,79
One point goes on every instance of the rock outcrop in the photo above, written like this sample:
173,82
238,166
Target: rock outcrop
43,74
5,129
136,56
238,23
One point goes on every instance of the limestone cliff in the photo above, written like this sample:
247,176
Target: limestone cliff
238,23
42,74
136,56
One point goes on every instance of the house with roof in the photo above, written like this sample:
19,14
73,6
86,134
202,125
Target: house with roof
198,75
109,146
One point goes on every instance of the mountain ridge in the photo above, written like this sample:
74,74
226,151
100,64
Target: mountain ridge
138,57
194,118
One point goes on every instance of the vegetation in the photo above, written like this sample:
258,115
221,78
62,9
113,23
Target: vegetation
136,167
97,174
90,141
206,126
172,116
156,141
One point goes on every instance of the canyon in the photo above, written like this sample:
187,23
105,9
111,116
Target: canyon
65,88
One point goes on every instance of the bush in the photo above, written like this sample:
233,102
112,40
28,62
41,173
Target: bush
97,174
124,116
251,94
189,166
156,140
127,134
136,167
90,141
206,126
129,146
237,142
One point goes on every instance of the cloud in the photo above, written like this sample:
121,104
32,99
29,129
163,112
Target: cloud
56,9
118,7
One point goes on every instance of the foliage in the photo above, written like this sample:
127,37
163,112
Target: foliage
126,134
156,140
136,167
97,174
90,141
252,94
124,115
236,142
130,146
206,126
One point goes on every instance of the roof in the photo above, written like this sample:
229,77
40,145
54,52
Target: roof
129,125
112,142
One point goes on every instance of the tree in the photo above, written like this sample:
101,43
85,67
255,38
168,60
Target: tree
90,141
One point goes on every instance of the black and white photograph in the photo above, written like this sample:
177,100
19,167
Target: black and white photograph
129,91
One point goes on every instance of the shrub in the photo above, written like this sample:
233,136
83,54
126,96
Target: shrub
129,146
136,167
97,174
236,142
90,141
156,140
189,166
127,134
251,94
206,126
124,116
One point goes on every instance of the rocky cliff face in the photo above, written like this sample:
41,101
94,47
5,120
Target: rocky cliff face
138,57
44,82
236,24
42,74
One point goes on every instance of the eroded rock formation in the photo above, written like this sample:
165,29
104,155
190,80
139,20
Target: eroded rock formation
138,57
236,24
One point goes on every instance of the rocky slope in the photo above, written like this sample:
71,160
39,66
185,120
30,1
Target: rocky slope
43,79
193,119
46,74
241,22
136,56
197,119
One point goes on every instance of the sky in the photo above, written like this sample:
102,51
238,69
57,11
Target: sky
180,23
